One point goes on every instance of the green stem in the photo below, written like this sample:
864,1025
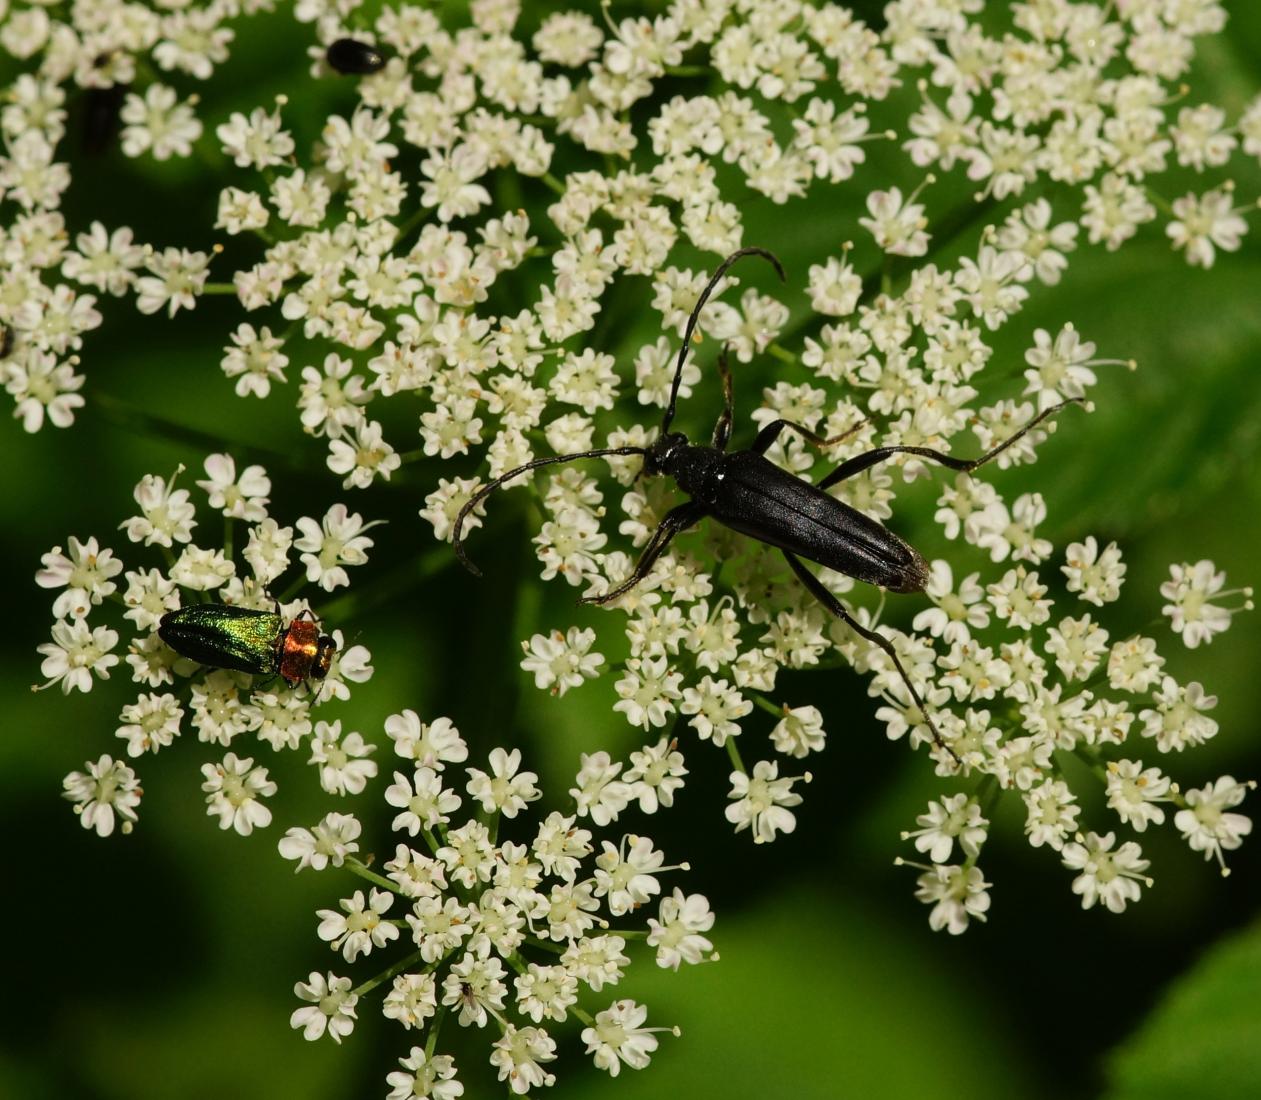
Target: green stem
762,701
431,840
386,975
356,867
432,1041
406,228
218,288
734,753
1160,202
987,794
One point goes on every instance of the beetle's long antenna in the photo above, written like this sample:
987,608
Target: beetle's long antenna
695,317
456,539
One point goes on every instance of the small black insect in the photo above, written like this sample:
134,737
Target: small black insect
351,57
6,341
747,492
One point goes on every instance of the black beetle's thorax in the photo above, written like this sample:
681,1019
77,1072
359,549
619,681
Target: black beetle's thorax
697,470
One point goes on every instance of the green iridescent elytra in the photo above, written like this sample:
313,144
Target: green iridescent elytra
223,636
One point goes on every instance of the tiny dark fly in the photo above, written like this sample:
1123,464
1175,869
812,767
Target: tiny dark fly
350,57
745,491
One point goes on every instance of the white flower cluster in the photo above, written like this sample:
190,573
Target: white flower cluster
219,705
502,933
1062,688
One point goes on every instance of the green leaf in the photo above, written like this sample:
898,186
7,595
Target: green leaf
1204,1040
815,998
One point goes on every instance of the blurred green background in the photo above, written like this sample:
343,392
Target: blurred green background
162,964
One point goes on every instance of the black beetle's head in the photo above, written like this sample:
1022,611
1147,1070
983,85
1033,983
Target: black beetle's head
661,452
324,652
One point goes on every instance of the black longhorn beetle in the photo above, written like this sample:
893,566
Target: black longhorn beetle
747,492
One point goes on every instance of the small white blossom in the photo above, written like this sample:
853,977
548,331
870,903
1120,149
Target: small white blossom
234,790
424,1076
109,790
957,894
761,801
329,843
1114,878
676,934
327,547
955,817
619,1038
1191,610
506,790
360,926
1207,826
84,574
331,1008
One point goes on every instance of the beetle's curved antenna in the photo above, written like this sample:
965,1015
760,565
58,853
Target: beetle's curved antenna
695,317
457,540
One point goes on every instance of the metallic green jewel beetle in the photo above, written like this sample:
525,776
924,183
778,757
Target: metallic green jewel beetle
249,640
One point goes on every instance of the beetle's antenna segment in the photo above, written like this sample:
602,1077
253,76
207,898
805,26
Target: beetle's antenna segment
457,540
695,317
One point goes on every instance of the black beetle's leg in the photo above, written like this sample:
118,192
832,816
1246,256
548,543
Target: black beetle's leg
457,538
837,608
722,430
679,518
771,432
859,463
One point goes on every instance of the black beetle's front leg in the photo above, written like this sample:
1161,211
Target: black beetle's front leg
837,608
859,463
679,518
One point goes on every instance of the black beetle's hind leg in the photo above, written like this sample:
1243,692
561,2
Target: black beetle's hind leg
722,430
771,432
859,463
679,518
837,608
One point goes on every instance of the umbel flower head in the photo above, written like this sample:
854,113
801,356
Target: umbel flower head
221,705
498,934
